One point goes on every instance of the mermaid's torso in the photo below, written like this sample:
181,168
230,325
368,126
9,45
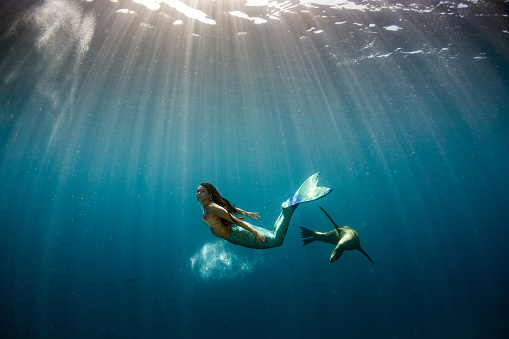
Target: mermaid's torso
214,223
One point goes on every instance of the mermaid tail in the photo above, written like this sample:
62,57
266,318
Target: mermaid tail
308,191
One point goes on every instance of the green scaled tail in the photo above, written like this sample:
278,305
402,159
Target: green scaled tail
308,191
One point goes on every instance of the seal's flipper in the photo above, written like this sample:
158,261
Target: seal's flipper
308,236
328,216
306,233
308,191
362,251
307,241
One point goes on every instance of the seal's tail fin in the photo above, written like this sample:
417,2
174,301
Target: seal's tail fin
308,191
362,251
308,236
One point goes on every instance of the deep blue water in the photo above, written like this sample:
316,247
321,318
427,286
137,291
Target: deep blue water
112,113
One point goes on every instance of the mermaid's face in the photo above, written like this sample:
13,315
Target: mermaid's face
202,195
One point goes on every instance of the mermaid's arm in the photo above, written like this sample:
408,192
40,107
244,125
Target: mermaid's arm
252,215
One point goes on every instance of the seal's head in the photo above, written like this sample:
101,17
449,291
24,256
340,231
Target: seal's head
336,254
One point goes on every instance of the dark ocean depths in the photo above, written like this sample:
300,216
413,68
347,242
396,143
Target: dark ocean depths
113,112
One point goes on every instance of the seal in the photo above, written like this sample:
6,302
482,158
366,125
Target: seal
344,237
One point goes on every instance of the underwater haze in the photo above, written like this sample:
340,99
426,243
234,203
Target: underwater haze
112,112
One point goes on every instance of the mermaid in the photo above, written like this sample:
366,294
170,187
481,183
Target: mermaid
219,215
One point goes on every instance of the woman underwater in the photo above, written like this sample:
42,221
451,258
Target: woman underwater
218,214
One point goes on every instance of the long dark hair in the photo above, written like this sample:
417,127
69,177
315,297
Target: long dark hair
223,202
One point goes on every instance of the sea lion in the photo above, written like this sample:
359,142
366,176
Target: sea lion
343,237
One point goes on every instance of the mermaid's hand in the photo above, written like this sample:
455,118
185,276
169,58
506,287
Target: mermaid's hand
253,215
260,237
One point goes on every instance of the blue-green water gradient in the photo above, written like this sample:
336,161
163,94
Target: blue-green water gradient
113,112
